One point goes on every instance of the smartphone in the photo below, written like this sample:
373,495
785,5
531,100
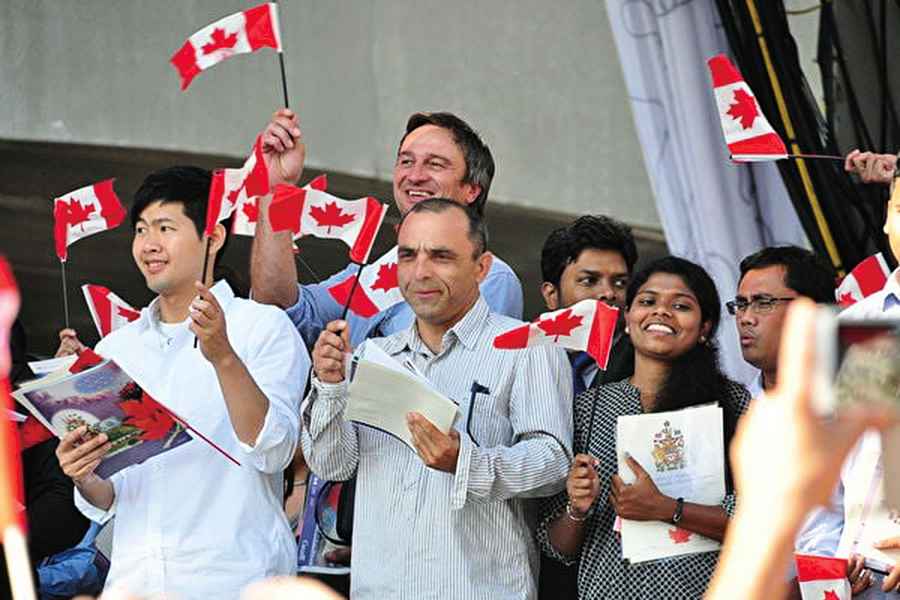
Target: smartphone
858,362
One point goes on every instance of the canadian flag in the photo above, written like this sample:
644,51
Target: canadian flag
377,289
588,325
247,214
11,490
865,279
317,213
233,187
108,311
239,33
84,212
749,136
822,577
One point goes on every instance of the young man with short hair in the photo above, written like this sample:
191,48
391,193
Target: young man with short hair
189,523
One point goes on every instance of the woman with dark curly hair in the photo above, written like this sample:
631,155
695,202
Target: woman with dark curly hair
673,311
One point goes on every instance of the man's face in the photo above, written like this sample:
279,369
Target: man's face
430,165
436,270
760,334
892,220
167,249
600,274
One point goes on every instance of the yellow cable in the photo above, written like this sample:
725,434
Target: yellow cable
795,149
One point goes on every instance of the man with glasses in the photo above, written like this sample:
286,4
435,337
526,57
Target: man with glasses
770,279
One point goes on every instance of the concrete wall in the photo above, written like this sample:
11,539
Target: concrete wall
540,80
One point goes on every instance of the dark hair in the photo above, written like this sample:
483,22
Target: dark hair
479,161
804,272
477,228
188,186
695,377
565,244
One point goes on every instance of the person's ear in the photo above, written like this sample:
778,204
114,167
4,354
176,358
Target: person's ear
471,192
551,295
217,240
704,331
483,265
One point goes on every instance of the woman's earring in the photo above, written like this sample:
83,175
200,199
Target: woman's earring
626,330
702,339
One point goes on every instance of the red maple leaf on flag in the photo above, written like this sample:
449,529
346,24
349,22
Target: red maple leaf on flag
148,415
220,41
831,595
561,324
330,216
124,312
743,109
679,535
74,212
846,300
387,278
251,209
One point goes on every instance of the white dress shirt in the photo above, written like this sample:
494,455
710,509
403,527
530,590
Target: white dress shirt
189,523
422,533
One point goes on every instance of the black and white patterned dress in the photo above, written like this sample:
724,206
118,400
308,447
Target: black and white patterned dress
602,573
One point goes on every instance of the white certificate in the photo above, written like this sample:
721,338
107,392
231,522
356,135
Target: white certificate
683,452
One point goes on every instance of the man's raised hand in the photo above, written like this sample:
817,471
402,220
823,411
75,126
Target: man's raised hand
283,148
328,353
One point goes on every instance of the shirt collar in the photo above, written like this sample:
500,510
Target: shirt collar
466,331
150,314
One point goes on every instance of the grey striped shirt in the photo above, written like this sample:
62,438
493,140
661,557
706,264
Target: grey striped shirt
421,533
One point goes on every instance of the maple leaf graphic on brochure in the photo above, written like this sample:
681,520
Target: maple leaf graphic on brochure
743,109
387,277
831,595
561,324
220,41
251,209
330,216
679,535
74,212
146,414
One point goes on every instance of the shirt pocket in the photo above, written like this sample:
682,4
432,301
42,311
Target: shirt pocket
487,421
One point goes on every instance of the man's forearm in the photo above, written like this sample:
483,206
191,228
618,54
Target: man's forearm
247,405
273,272
97,491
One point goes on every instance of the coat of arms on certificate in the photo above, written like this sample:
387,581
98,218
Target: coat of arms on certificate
668,449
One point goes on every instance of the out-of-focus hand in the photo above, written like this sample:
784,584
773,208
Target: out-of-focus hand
859,577
871,167
69,343
283,149
288,588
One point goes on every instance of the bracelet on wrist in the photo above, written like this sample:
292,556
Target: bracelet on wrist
679,509
570,513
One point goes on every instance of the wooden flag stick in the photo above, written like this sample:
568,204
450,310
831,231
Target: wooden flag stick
352,291
65,291
203,276
18,565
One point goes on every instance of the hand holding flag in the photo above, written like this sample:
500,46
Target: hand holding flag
588,325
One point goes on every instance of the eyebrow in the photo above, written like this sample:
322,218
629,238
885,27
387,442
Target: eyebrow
600,274
407,153
156,221
430,251
678,294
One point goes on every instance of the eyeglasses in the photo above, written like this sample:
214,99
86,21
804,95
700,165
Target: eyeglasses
761,305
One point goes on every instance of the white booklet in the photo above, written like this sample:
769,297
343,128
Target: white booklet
383,391
683,452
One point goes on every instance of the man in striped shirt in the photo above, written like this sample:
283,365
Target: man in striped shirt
452,520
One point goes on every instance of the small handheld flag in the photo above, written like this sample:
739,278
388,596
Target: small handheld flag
372,290
108,311
246,215
822,577
240,33
588,325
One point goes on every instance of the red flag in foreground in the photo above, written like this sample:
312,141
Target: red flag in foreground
588,325
233,187
84,212
865,279
12,497
749,136
247,214
239,33
822,577
377,289
317,213
108,311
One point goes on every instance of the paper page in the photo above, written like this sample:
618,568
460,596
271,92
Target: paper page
683,451
374,353
15,417
381,397
43,367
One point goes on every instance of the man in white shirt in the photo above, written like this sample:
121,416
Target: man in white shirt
770,279
189,523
